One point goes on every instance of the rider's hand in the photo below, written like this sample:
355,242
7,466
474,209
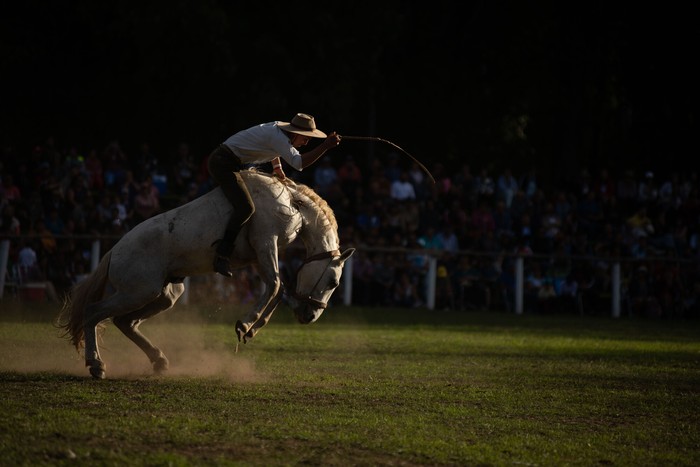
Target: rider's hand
279,173
332,140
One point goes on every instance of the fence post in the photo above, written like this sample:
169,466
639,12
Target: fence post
519,284
4,257
185,298
616,285
430,283
95,255
347,282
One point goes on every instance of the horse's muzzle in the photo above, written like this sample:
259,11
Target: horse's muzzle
307,314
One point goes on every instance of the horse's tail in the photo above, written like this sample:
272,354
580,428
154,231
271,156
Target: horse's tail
72,315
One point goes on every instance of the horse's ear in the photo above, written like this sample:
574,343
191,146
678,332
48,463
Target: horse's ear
346,254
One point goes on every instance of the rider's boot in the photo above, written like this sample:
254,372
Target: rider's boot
222,263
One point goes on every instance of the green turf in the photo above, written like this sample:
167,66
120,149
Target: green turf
359,387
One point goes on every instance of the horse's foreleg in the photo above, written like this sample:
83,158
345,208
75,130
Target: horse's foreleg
268,269
129,325
263,319
266,304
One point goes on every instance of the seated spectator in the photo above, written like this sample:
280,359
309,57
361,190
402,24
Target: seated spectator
325,176
349,176
431,240
8,190
146,203
402,188
405,292
369,217
444,295
114,162
392,170
120,206
447,237
378,185
642,301
183,172
590,213
506,187
474,291
93,167
567,296
129,189
48,241
419,181
9,223
550,226
28,263
503,220
539,291
362,277
104,211
640,224
30,271
482,219
383,274
54,223
485,185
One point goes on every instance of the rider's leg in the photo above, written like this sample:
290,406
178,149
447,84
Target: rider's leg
243,208
224,167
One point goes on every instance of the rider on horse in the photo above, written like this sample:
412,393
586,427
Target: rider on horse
267,142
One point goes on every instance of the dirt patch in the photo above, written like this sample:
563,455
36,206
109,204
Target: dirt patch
191,348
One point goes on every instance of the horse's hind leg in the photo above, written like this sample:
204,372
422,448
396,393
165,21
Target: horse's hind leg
119,303
129,324
92,353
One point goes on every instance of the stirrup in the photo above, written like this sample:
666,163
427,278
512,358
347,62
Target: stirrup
222,265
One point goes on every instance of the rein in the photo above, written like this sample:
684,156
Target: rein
308,298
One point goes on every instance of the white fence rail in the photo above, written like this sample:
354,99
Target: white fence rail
616,292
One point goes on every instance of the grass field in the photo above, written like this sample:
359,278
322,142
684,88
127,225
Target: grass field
359,387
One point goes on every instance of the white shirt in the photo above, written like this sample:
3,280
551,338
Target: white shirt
402,190
449,241
27,257
325,176
262,143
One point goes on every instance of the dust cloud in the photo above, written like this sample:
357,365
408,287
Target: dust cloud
190,347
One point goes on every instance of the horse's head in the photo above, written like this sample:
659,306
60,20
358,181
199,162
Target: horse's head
316,280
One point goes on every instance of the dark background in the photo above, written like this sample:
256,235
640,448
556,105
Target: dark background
559,86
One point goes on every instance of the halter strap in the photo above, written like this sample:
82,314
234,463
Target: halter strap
322,255
308,298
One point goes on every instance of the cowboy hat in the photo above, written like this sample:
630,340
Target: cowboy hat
302,124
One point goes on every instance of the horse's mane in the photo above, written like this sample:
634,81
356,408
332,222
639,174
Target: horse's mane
297,189
321,203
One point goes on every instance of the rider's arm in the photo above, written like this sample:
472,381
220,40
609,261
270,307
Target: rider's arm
331,141
277,168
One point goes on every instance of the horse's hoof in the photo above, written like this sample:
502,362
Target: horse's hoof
161,365
240,331
248,336
97,373
97,369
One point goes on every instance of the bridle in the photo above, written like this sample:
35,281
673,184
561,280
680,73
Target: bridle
308,299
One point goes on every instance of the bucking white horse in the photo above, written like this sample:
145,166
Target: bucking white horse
143,274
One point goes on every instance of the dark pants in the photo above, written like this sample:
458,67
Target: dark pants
224,167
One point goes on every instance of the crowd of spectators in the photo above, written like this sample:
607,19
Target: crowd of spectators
55,200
